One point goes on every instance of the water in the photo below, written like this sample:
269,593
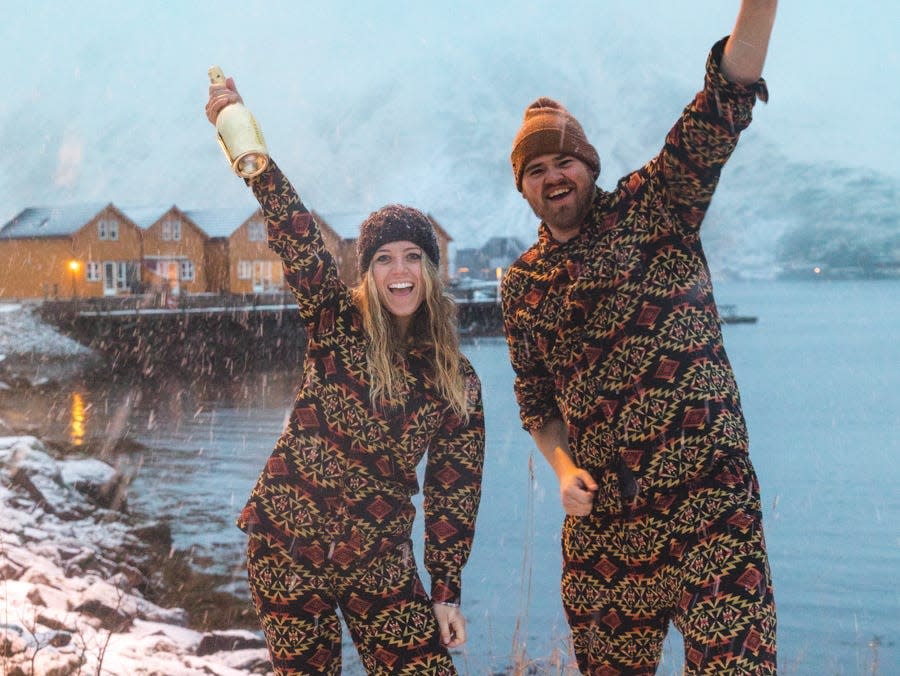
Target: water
821,391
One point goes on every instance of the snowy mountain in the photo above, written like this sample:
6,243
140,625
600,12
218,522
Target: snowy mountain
371,108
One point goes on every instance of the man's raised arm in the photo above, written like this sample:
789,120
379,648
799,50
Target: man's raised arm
745,52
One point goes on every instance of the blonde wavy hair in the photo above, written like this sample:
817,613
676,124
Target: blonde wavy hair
433,327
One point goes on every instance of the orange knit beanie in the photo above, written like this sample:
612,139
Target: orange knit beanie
550,128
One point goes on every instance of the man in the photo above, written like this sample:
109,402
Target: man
623,382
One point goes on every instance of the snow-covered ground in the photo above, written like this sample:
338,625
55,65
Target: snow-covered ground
72,561
34,353
23,333
70,573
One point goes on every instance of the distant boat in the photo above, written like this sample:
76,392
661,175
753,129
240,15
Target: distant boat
729,315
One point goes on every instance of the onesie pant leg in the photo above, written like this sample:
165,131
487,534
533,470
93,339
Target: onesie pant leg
613,595
382,600
696,558
726,609
390,617
294,603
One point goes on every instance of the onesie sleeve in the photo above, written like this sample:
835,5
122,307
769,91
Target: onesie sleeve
534,386
452,494
703,139
309,268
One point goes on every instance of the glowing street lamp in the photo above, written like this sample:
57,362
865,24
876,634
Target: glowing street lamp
74,266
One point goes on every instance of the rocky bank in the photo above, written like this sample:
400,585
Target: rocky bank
74,567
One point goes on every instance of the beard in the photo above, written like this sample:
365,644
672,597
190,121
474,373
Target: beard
565,220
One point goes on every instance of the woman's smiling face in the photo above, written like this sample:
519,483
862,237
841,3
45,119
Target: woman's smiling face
397,271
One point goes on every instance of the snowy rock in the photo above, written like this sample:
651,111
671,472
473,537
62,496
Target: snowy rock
10,571
23,333
228,640
47,596
98,481
34,353
71,571
86,471
33,471
12,640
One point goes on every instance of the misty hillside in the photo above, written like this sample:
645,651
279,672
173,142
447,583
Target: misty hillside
385,114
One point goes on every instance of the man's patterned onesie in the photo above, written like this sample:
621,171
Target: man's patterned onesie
616,332
330,517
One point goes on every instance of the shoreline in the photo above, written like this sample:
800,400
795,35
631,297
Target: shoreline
34,354
88,585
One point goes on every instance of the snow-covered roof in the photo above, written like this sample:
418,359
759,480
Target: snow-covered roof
50,221
345,224
219,222
144,217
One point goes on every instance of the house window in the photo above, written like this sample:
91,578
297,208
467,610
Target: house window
92,271
121,276
262,275
171,230
245,270
187,271
256,231
108,229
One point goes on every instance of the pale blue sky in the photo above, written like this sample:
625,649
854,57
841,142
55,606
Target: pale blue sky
833,67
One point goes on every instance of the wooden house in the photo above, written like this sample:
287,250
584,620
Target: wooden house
174,250
340,232
77,251
237,255
105,250
239,259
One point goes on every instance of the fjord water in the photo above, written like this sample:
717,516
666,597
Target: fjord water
819,375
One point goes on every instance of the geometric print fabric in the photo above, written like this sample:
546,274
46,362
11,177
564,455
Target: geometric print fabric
383,603
335,493
627,576
616,333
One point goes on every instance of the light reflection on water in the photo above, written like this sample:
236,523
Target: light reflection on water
76,424
193,448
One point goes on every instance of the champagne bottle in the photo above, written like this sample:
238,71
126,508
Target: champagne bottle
239,135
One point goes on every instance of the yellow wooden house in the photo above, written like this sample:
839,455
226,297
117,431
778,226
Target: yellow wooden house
174,251
88,250
106,250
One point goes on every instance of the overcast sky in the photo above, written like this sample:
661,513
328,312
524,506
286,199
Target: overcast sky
833,66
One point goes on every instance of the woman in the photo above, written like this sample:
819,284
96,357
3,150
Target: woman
330,518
